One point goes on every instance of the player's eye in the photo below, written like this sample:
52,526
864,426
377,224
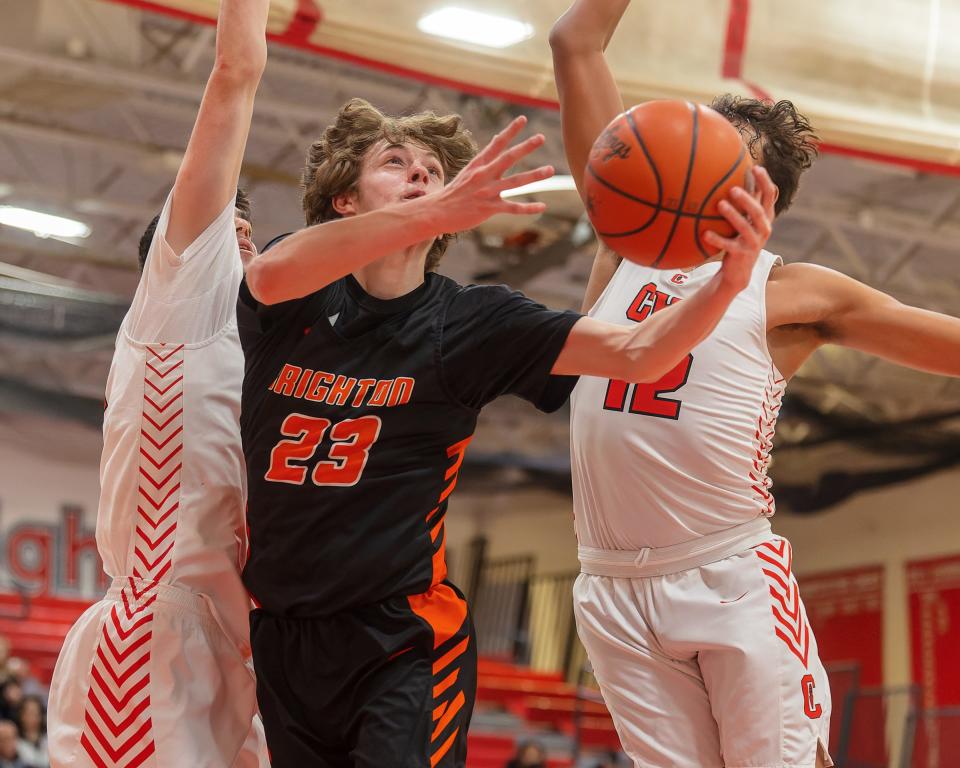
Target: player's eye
436,172
395,159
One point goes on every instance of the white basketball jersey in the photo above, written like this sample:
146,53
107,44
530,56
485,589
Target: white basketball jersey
660,464
172,478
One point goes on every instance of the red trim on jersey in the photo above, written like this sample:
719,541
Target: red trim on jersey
759,481
790,622
118,728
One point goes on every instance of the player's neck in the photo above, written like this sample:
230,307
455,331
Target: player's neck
394,275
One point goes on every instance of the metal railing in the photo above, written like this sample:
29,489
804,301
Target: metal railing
500,606
933,739
880,726
527,618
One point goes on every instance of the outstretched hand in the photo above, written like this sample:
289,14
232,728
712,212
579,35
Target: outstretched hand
751,216
474,195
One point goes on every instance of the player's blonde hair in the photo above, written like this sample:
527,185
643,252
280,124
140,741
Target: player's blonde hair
334,161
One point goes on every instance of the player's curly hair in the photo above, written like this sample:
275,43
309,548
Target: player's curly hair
788,144
334,160
243,209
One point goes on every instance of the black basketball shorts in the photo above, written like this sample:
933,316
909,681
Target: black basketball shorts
389,685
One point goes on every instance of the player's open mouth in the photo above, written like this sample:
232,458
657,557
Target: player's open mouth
414,195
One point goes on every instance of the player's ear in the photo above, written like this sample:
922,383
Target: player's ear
345,203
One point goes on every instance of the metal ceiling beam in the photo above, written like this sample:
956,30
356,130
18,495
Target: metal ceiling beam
139,81
158,159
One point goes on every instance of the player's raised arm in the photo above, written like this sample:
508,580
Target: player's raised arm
316,256
589,100
589,97
208,176
844,311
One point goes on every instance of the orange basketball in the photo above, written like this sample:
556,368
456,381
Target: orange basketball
655,176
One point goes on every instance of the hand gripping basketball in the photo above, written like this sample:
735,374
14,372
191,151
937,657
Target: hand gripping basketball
751,216
474,196
654,177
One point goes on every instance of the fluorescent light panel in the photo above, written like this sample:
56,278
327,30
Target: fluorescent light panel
553,184
42,224
475,27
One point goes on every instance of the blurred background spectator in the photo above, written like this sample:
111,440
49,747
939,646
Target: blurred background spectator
530,754
9,757
31,722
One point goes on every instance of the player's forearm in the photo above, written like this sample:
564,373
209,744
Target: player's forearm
241,37
658,344
909,336
605,265
208,175
589,97
316,256
587,25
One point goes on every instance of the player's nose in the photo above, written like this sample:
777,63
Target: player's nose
418,173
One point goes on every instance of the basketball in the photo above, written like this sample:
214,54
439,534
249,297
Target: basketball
655,176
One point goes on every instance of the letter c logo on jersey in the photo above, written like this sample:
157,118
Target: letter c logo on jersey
810,708
679,279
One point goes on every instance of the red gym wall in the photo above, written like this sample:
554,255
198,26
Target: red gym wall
934,589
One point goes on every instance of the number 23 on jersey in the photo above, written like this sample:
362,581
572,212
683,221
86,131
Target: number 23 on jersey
345,462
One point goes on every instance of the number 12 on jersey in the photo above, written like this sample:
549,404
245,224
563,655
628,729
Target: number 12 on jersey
647,400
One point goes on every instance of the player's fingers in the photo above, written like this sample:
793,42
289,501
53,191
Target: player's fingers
753,210
738,221
509,157
527,177
501,141
719,242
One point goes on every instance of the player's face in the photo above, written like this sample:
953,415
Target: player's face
395,173
248,251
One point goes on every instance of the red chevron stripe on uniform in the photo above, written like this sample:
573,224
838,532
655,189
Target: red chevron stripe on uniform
118,729
790,623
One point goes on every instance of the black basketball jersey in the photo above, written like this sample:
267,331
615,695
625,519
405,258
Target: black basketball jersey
356,414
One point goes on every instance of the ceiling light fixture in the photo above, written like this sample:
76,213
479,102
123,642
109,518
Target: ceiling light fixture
475,27
553,184
42,224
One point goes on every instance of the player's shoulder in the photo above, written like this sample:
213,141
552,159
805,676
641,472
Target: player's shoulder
488,294
799,274
472,306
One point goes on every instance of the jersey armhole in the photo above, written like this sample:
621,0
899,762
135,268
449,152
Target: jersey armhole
775,261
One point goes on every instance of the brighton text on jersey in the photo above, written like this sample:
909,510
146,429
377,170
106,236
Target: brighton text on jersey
336,389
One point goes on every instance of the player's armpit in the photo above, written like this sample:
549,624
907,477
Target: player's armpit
847,312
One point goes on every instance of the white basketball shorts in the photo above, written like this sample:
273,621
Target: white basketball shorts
710,666
147,677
